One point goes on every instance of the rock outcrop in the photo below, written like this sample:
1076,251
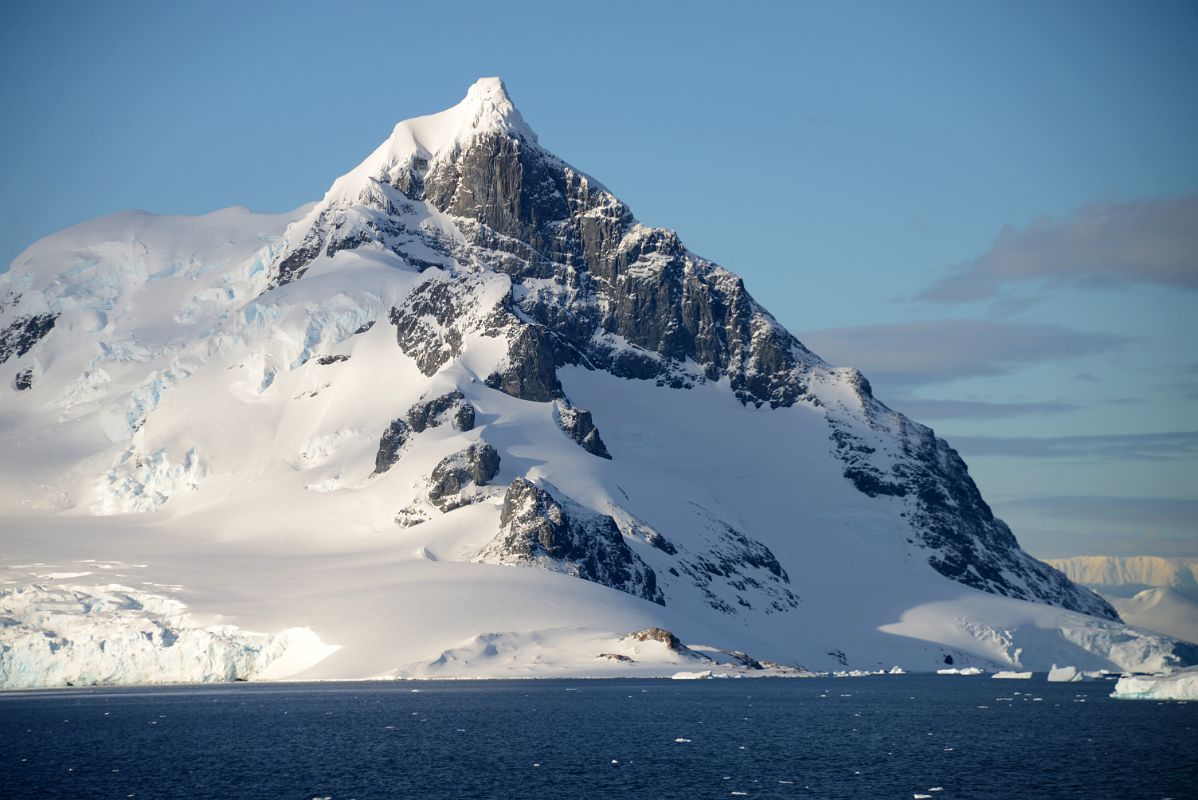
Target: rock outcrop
578,425
452,407
456,477
538,527
19,336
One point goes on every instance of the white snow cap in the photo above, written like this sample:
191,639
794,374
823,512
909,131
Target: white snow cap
486,108
491,108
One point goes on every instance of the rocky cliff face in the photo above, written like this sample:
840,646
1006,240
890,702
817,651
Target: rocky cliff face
545,260
537,527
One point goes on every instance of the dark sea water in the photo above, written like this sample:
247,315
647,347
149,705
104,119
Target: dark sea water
879,737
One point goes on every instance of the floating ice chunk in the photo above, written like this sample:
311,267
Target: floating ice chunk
691,676
896,670
1064,674
681,740
923,797
1016,676
960,671
1182,685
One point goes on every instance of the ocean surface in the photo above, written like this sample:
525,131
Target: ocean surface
946,737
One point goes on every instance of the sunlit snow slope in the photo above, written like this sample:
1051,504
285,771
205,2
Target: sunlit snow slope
465,416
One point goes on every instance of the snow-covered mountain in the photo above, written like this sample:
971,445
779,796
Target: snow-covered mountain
1159,594
1126,575
467,416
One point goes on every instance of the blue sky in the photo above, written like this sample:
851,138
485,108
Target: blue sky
989,208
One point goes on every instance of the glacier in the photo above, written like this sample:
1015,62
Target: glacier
70,634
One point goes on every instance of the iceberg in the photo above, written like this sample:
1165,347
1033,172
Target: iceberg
1181,685
1064,674
1017,676
960,671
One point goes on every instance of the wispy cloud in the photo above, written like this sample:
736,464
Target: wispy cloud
1065,526
935,351
1149,241
926,409
1142,513
1063,544
1174,446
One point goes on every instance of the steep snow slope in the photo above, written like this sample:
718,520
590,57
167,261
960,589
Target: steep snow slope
1160,609
466,416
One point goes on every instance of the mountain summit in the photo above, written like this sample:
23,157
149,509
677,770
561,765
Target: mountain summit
466,416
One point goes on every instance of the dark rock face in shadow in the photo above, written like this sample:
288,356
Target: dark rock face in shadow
578,425
451,406
539,528
20,335
474,466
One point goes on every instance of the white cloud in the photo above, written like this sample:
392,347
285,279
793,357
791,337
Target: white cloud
935,351
1148,241
1172,446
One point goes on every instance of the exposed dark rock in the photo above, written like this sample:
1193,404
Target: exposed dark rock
660,542
530,370
536,527
672,642
578,425
295,263
364,327
616,657
482,462
411,516
24,380
474,466
450,406
744,659
428,414
325,361
656,634
463,417
430,344
731,565
946,512
390,444
19,337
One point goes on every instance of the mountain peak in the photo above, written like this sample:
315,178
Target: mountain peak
489,89
486,108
